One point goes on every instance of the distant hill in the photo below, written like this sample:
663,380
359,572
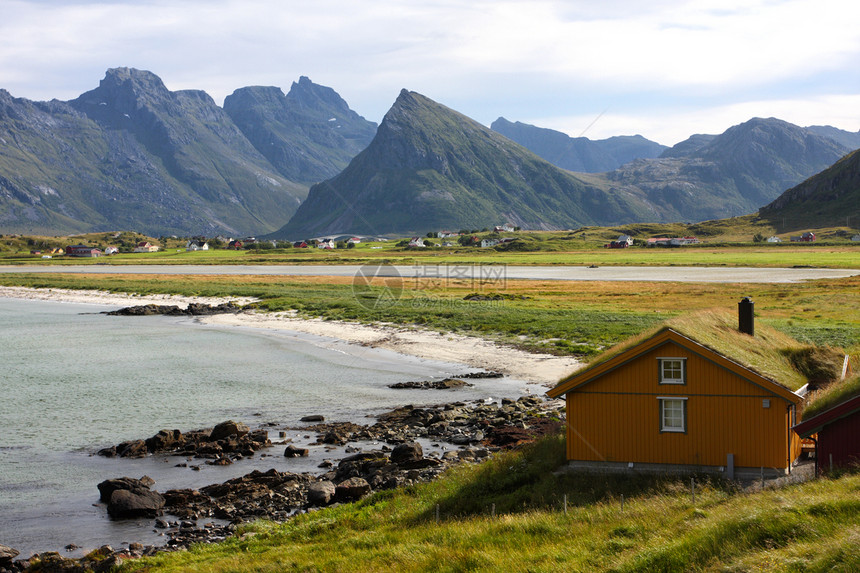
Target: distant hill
578,153
828,199
431,168
308,135
849,139
735,173
132,155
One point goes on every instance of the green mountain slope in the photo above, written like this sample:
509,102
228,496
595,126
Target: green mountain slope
828,199
308,135
431,168
131,154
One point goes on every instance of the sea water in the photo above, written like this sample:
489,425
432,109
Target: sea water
73,381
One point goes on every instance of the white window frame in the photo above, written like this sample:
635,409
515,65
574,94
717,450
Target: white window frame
661,362
661,401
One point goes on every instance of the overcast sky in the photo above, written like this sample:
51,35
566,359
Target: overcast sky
664,69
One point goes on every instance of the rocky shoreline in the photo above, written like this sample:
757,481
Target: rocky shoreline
471,432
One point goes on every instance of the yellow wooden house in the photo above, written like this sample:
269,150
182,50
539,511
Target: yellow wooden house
696,394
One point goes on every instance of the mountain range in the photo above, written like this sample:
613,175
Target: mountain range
579,153
132,155
431,168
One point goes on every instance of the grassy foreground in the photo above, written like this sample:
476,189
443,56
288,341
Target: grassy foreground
508,515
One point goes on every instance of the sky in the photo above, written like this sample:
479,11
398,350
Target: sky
663,69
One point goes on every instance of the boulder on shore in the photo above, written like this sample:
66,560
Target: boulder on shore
407,452
321,492
7,554
352,488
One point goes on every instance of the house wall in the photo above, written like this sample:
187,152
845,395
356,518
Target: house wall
616,417
839,439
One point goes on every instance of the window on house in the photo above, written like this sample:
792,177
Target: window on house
673,370
673,414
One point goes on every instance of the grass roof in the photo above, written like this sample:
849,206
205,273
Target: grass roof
833,395
770,353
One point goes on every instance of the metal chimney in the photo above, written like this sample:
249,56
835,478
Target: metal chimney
746,316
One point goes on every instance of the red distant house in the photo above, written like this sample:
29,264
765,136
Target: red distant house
82,251
838,429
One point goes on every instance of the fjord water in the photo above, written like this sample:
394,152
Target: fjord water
74,381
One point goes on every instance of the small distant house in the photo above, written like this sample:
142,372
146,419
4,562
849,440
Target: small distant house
353,240
622,242
196,245
35,252
774,239
82,251
145,247
447,234
838,431
300,245
235,244
804,238
506,228
856,238
487,243
111,250
326,244
56,251
695,395
671,242
417,242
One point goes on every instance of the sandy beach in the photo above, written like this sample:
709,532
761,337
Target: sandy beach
544,369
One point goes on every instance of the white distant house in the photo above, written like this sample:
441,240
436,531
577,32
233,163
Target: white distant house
197,246
417,242
856,238
354,240
111,250
506,228
774,239
447,234
326,244
487,243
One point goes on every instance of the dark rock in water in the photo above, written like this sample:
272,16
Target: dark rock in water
407,452
479,375
294,452
352,488
135,503
227,429
446,384
193,309
129,497
313,418
107,487
321,492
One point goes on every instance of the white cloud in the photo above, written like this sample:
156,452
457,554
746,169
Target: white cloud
521,59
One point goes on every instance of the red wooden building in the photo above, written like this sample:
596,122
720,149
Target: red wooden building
838,429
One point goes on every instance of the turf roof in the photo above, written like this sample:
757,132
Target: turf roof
833,395
770,353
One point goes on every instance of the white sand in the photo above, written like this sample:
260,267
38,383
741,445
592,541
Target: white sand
467,350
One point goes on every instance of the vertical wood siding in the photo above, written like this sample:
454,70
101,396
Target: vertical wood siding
616,417
840,439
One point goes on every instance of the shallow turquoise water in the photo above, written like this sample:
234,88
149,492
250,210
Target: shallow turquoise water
73,381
